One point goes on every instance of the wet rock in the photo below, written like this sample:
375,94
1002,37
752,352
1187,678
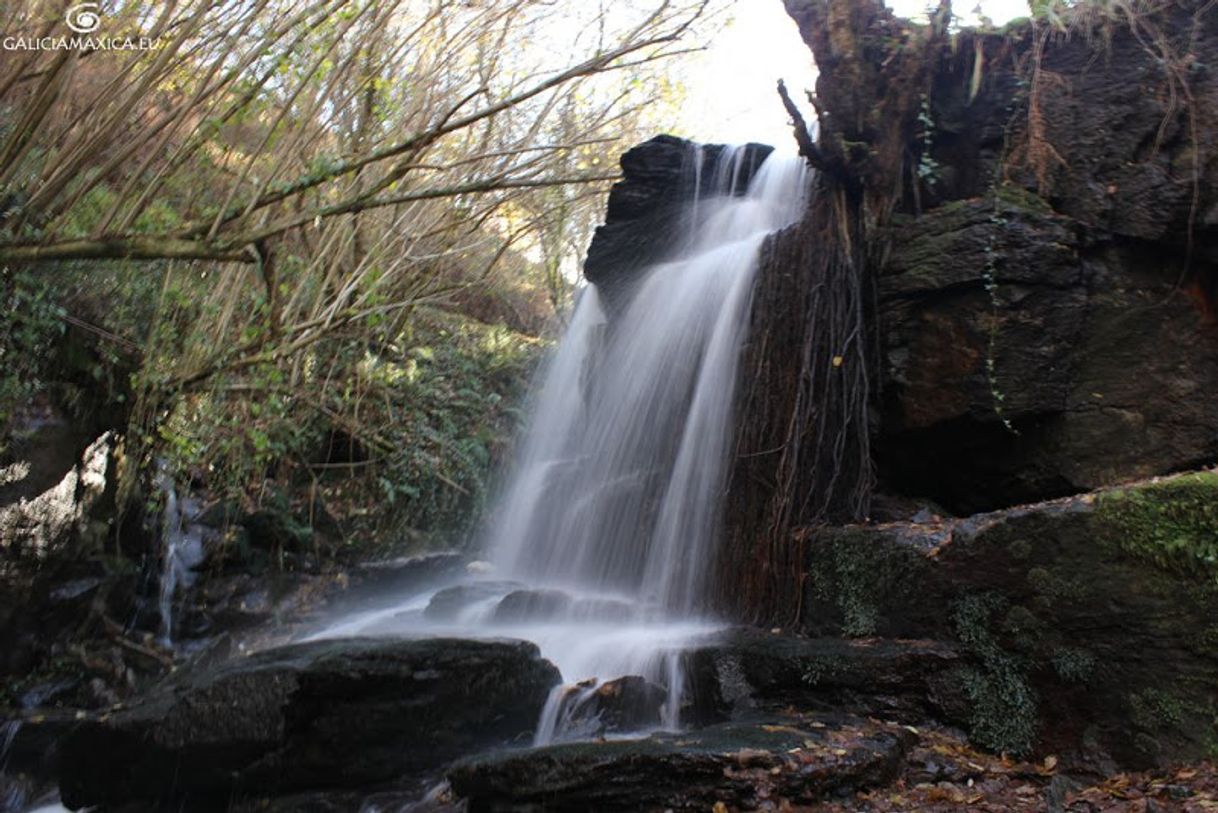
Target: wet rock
628,703
744,670
448,603
327,714
625,704
398,797
532,605
30,741
740,765
241,601
407,572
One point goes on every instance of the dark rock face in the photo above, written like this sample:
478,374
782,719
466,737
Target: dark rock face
1100,364
1062,280
628,703
318,715
647,207
1084,626
1098,342
735,764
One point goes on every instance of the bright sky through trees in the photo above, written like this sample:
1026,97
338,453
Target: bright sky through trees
731,96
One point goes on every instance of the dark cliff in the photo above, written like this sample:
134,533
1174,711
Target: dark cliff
1035,341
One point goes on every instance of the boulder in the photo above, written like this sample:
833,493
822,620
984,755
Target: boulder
1085,625
628,703
740,765
326,714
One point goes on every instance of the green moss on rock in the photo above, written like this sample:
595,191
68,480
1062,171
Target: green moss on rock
860,577
1003,706
1073,664
1172,524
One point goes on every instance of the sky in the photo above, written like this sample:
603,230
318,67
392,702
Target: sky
731,93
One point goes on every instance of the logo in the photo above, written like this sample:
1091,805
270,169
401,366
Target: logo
83,18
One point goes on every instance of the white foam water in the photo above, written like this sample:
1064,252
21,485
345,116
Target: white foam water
608,524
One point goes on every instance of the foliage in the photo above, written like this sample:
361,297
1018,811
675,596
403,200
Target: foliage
279,186
1074,664
461,389
32,325
402,435
928,168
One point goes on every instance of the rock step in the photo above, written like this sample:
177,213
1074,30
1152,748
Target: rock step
743,670
327,714
738,764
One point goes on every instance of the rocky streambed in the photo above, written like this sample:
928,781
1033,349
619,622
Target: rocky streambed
922,642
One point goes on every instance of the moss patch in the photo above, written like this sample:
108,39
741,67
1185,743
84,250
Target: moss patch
861,577
1172,524
1003,706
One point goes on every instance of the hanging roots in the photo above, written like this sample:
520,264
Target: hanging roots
804,454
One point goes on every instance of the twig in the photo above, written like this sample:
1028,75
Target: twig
807,147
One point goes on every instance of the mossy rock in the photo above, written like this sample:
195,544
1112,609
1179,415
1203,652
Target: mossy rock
1088,623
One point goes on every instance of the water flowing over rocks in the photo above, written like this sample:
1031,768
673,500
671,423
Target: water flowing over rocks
629,704
340,713
1042,328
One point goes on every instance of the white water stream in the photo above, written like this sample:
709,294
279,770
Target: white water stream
601,542
182,549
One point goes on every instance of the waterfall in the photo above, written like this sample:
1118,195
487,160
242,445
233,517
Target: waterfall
602,540
181,549
12,794
617,483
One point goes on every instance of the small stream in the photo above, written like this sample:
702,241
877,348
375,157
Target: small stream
182,549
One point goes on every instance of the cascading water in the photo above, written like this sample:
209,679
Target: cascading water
601,542
182,550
